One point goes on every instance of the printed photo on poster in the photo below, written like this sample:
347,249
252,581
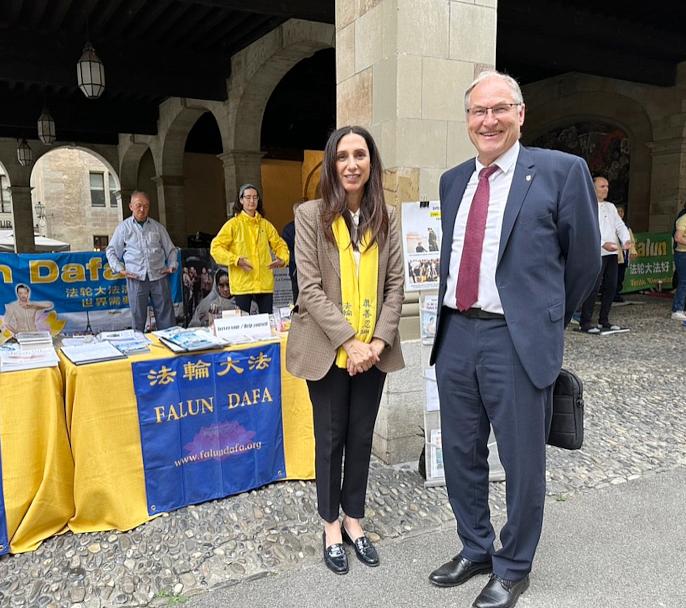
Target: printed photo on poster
436,459
428,307
421,223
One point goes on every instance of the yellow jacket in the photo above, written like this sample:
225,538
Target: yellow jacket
251,238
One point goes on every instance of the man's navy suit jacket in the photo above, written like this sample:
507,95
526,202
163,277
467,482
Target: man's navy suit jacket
549,256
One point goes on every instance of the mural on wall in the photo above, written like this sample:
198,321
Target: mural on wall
603,146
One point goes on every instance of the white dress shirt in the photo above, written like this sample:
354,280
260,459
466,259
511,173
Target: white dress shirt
611,227
500,182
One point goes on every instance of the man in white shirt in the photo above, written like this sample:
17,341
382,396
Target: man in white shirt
142,250
612,232
520,228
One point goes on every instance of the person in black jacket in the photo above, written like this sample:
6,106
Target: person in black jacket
288,235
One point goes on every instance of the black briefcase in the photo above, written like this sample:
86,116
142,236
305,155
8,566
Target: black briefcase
567,426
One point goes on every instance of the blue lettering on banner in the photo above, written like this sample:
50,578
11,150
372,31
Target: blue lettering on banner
72,281
4,541
210,424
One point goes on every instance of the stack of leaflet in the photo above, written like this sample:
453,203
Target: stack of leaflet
91,352
181,340
13,358
34,340
128,341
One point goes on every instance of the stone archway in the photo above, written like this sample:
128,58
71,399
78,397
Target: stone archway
255,72
570,99
79,191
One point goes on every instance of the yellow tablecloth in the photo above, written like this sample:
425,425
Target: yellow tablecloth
102,417
37,465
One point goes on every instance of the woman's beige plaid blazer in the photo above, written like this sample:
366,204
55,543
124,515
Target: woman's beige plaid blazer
318,326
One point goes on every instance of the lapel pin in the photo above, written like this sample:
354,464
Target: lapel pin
528,178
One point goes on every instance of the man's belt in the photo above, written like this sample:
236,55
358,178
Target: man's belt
477,313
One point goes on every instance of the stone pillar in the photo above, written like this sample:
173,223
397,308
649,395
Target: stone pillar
22,219
240,167
170,199
667,183
402,67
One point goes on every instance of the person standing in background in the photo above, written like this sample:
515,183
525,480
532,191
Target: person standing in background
624,257
679,301
143,252
244,246
288,235
611,228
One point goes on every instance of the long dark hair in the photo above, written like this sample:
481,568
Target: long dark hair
238,207
373,213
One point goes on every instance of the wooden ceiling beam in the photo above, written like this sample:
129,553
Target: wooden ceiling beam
59,12
313,10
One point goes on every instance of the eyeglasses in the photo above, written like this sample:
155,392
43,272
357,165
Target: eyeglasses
500,110
250,198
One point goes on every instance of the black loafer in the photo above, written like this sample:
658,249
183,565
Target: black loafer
334,557
364,549
457,571
500,593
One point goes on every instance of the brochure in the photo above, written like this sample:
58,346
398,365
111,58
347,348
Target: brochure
181,340
17,360
91,353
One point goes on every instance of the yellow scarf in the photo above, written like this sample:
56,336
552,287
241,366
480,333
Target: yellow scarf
358,287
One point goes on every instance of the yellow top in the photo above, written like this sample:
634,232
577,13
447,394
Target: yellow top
249,237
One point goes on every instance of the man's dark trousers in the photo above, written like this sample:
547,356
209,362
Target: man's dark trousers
481,381
607,278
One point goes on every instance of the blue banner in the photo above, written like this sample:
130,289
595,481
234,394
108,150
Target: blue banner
210,424
4,541
72,281
65,292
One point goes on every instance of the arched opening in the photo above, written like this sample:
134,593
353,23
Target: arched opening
76,197
605,148
5,200
203,172
145,181
298,118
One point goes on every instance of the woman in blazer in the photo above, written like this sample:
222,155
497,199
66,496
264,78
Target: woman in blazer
344,331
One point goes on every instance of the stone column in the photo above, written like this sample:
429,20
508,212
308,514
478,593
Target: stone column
170,200
667,183
240,167
402,67
22,216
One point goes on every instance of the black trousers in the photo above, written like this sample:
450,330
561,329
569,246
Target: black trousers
344,411
265,301
607,278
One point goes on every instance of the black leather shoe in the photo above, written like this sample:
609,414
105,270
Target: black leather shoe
457,571
334,557
364,549
499,593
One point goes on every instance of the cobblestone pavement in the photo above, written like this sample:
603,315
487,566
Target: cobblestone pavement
634,426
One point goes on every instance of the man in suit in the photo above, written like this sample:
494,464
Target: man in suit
518,255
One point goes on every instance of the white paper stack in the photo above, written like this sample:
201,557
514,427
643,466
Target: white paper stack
19,359
34,340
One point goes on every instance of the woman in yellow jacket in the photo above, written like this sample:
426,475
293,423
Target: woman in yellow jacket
243,246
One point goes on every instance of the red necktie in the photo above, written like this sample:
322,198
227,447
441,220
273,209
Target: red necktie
467,291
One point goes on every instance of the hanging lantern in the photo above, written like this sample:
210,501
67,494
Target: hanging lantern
24,153
90,73
46,128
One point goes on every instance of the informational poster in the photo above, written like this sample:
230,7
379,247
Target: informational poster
211,424
436,456
428,310
653,265
68,292
421,223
